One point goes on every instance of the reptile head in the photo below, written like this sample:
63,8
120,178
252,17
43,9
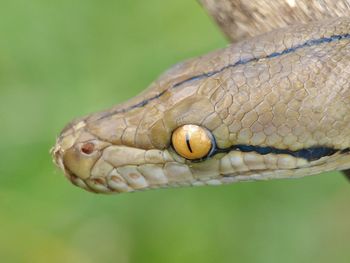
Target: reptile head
274,106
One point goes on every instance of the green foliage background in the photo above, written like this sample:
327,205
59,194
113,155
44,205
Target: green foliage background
62,59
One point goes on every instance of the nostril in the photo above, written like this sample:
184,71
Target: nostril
87,148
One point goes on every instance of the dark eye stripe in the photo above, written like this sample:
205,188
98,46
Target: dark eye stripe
310,154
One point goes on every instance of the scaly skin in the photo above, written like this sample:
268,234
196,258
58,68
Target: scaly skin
240,19
287,89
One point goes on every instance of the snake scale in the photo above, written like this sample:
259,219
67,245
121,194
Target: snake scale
273,104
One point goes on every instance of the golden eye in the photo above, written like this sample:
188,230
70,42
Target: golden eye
192,141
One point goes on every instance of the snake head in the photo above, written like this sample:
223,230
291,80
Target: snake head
274,106
76,152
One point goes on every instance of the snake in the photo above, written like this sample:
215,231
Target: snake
273,104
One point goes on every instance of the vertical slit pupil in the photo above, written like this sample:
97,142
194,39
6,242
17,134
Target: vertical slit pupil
188,142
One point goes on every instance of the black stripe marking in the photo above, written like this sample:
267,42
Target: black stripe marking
310,154
309,43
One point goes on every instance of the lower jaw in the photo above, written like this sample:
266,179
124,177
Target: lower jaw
101,185
112,184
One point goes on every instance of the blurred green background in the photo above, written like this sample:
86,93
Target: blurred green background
63,59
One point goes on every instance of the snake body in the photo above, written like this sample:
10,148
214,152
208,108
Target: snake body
277,106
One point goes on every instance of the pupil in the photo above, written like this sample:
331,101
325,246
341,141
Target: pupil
188,142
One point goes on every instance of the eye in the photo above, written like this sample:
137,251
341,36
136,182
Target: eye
192,141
